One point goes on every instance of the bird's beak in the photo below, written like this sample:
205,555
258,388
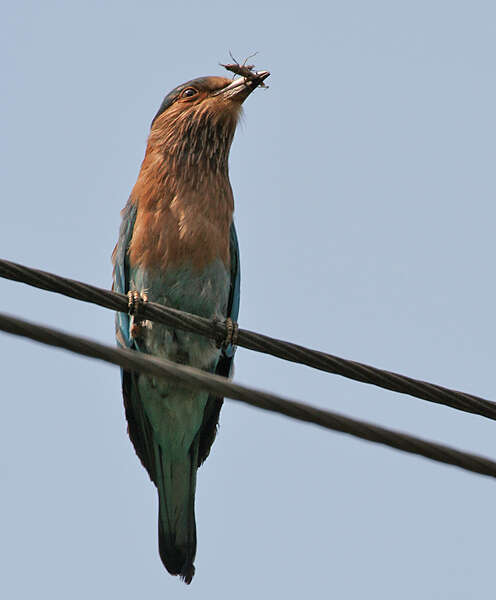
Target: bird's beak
242,87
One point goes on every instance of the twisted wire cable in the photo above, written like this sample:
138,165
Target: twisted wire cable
254,341
189,376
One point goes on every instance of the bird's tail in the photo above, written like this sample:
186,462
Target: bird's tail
176,517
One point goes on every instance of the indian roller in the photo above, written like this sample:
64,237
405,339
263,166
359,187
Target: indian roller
177,246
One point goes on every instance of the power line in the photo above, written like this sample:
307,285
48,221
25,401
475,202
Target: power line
189,376
254,341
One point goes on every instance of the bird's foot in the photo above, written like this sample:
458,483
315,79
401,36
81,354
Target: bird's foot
136,300
231,335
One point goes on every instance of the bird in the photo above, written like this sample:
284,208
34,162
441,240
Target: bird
178,246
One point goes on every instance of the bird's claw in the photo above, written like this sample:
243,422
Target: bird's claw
136,301
231,335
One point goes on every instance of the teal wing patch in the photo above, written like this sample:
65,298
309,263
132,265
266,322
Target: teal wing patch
208,429
121,273
139,427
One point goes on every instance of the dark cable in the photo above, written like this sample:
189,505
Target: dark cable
143,363
254,341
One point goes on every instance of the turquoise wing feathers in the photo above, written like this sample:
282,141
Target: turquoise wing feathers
121,273
234,294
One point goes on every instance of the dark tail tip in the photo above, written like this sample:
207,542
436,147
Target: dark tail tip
171,562
176,559
187,572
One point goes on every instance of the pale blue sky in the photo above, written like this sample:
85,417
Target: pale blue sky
364,187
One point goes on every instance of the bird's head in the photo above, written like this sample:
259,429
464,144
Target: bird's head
195,123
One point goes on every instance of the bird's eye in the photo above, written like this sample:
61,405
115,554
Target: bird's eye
188,92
